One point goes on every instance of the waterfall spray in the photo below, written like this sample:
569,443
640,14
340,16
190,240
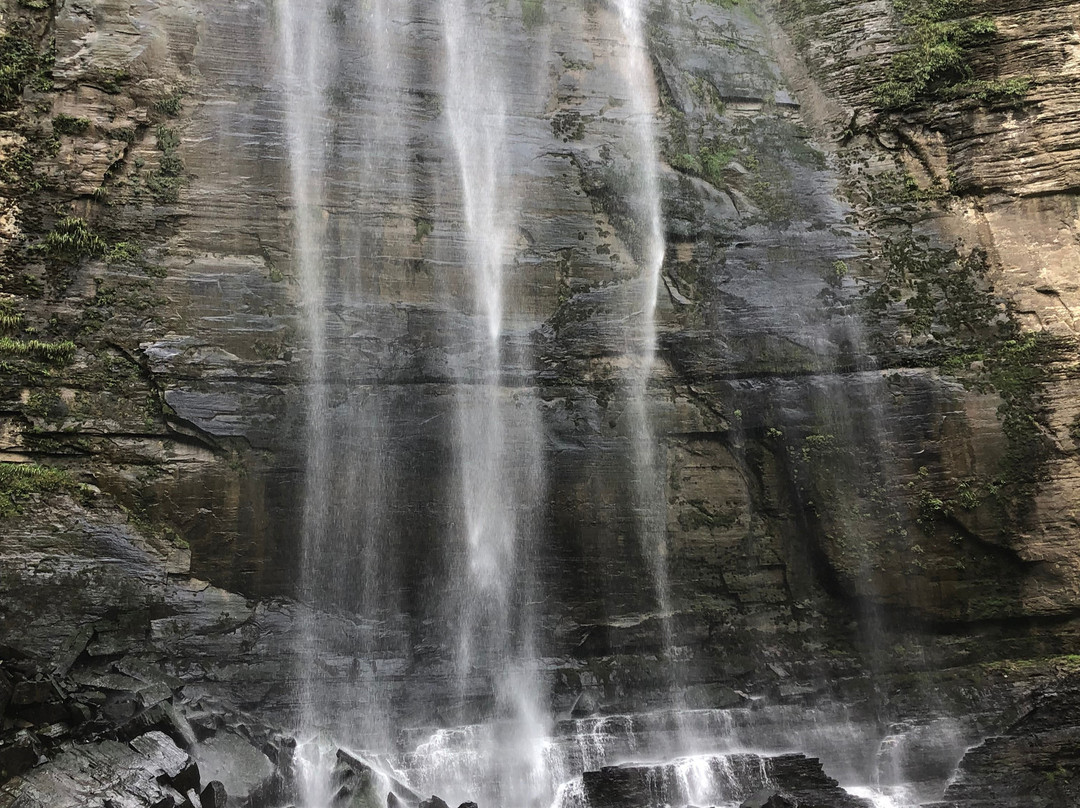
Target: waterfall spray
650,505
497,440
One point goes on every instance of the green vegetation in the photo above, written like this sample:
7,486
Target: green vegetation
165,182
67,125
817,447
123,252
53,352
900,188
776,206
72,240
167,139
944,302
1008,93
532,13
936,63
708,163
11,319
20,482
110,81
22,64
170,105
943,295
568,125
835,274
424,227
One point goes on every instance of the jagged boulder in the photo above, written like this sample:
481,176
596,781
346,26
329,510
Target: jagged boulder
149,770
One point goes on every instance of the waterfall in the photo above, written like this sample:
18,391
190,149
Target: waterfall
492,736
497,433
650,503
347,465
303,76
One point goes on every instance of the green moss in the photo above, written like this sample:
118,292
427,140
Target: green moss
936,62
44,404
424,227
775,205
22,65
1008,93
165,182
164,187
567,125
68,125
708,163
943,299
19,482
532,13
123,252
817,447
900,188
110,81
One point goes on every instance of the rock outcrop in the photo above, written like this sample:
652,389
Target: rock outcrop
751,780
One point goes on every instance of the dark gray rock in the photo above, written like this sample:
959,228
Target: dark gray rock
1034,763
740,778
355,783
768,798
6,689
149,771
214,795
19,752
233,760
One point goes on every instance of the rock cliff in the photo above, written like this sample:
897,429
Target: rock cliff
866,387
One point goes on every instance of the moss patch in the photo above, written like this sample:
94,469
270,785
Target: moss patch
21,482
939,35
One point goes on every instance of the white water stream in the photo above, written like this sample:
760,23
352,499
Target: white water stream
516,755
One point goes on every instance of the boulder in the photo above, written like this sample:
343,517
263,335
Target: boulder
214,795
768,798
354,783
233,761
151,770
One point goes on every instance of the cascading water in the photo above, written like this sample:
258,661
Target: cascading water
498,741
499,466
304,76
650,506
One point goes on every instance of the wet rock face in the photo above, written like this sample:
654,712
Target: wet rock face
150,770
1033,762
88,727
753,781
802,482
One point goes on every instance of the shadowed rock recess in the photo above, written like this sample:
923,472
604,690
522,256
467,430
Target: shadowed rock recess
819,548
